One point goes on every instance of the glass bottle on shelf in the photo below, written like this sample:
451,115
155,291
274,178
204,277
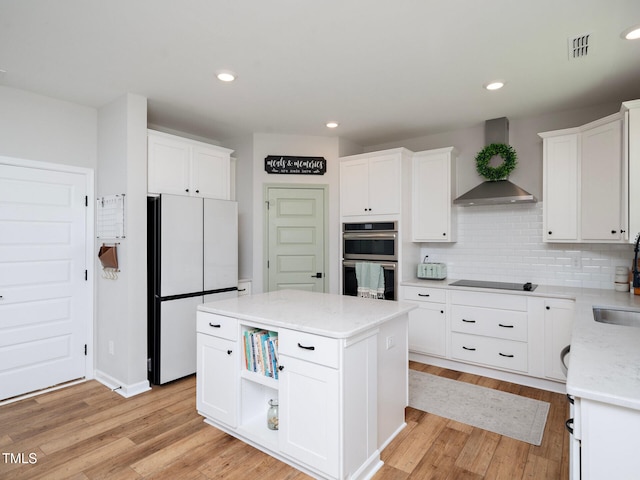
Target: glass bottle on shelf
272,414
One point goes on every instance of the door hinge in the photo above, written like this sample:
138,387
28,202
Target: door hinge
148,364
86,275
267,263
86,201
85,349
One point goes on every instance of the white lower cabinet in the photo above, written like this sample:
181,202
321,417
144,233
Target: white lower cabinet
558,323
490,329
516,333
217,381
333,393
608,447
310,412
427,323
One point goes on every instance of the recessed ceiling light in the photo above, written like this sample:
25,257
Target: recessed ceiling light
226,77
332,124
496,85
631,33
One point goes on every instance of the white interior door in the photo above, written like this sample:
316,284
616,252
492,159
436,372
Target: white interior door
45,298
296,240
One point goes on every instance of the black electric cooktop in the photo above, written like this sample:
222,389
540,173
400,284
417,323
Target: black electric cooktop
523,287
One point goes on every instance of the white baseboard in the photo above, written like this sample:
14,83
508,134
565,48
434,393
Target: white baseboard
120,388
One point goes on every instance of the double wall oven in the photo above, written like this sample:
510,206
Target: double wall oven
375,242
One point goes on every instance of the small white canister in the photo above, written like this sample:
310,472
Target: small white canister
621,279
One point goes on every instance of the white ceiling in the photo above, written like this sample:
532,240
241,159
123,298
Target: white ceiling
385,70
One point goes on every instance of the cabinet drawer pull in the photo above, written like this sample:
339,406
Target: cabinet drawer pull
505,326
468,321
306,347
505,355
216,325
469,348
424,295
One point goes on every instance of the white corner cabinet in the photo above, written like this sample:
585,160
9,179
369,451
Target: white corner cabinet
341,400
372,183
181,166
432,192
585,190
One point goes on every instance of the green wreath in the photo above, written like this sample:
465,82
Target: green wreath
503,170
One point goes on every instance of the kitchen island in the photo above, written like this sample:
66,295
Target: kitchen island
337,365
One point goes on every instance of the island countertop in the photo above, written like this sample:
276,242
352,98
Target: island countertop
326,314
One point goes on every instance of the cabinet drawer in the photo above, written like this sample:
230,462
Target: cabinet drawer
494,352
489,300
507,324
217,325
310,347
425,294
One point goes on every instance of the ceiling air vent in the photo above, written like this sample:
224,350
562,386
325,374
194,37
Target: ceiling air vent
579,46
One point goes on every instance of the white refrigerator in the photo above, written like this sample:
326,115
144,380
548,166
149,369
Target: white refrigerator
192,258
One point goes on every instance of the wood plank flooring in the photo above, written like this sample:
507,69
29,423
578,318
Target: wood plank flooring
89,432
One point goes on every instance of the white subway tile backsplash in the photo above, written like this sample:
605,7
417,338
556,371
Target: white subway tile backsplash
504,243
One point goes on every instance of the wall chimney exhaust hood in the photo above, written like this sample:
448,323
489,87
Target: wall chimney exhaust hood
495,192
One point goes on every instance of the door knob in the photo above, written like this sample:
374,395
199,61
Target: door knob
317,275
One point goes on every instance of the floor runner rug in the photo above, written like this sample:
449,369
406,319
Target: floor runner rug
504,413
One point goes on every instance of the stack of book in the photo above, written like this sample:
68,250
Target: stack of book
261,352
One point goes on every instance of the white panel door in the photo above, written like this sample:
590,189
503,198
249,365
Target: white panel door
220,244
45,300
296,239
181,247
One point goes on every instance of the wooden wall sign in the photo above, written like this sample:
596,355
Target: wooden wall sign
284,165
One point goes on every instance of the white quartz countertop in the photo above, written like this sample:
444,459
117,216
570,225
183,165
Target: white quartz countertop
330,315
604,363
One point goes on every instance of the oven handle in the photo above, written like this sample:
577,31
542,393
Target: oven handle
380,236
351,263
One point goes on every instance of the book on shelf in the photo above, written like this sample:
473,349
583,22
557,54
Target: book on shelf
261,352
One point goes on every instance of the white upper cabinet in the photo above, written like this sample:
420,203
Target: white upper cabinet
560,205
181,166
601,181
370,183
584,175
433,191
631,154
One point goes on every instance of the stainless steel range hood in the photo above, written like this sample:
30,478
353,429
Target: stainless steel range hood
502,191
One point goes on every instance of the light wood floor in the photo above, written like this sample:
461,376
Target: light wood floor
89,432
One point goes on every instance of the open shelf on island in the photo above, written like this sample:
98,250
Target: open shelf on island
260,352
259,378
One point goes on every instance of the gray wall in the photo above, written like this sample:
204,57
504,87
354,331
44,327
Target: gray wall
523,136
36,127
122,304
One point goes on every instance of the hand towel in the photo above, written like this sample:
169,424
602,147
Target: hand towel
370,278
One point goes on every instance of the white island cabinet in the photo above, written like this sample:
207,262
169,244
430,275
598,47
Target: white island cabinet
337,365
